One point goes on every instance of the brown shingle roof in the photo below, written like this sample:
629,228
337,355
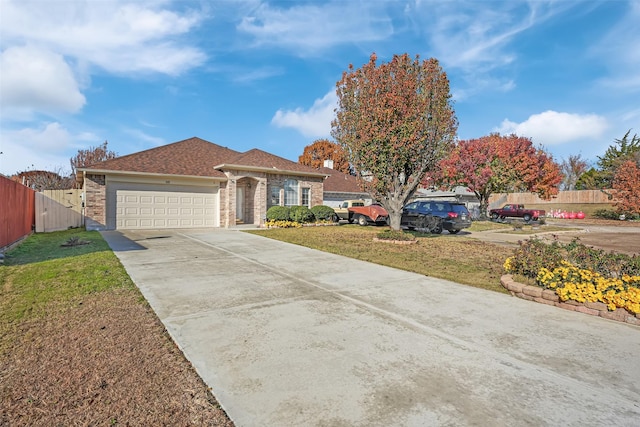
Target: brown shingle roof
256,158
190,157
339,182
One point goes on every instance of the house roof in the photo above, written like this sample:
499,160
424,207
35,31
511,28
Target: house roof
197,157
339,182
256,159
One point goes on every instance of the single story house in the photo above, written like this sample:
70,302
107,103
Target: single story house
339,187
194,184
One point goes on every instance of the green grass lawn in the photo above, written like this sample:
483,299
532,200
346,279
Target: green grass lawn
40,276
455,258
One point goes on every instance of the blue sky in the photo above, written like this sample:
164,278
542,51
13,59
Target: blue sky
258,74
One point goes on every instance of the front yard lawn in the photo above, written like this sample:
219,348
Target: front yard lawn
79,345
454,258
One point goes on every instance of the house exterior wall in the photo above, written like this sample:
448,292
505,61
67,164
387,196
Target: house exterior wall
95,197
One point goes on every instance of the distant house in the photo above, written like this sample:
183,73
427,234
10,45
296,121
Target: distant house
339,187
193,184
458,194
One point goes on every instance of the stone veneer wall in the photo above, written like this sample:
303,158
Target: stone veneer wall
549,297
95,193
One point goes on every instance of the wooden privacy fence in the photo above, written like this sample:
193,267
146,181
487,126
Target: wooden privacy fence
577,196
58,210
17,216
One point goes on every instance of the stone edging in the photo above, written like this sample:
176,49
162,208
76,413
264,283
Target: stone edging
549,297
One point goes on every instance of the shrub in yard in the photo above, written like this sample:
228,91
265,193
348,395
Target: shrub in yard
278,213
580,273
606,214
323,213
301,214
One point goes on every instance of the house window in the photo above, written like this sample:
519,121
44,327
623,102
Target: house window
275,196
305,197
291,192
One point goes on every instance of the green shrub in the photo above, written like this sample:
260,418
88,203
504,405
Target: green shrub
301,214
533,255
323,213
278,213
606,214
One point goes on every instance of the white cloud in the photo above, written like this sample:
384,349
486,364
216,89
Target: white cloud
115,35
35,79
142,136
552,128
310,28
620,51
314,122
48,147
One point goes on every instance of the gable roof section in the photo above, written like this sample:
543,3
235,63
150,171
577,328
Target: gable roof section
259,160
339,182
197,157
190,157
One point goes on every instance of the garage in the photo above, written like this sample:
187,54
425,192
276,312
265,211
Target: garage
133,206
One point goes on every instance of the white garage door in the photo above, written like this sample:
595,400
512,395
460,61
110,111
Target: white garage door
154,207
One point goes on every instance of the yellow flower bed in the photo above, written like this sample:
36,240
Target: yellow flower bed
572,283
272,223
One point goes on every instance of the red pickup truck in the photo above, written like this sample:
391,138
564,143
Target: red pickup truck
516,211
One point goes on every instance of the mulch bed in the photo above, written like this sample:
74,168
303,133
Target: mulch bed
106,361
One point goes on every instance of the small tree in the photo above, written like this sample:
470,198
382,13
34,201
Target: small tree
395,121
572,168
500,164
626,182
621,151
320,150
90,157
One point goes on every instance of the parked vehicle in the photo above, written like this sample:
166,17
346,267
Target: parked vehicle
454,216
516,211
355,211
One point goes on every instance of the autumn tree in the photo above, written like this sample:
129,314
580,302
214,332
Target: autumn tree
320,150
572,168
500,164
90,157
626,182
396,122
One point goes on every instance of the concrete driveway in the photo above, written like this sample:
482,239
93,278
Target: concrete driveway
289,336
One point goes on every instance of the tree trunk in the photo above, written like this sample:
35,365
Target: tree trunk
395,213
484,206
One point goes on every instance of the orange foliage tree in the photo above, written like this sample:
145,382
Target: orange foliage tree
395,121
627,185
320,150
500,164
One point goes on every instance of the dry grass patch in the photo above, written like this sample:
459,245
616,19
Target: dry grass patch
450,257
80,346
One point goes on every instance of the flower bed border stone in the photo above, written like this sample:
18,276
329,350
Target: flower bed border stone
549,297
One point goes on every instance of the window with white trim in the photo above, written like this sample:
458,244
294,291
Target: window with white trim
306,200
275,196
291,192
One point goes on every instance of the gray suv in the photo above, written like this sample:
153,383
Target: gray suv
455,216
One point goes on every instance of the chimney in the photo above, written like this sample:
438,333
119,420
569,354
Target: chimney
328,163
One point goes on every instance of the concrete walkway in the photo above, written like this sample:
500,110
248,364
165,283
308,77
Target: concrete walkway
289,336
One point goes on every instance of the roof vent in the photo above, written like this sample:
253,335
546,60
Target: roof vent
328,163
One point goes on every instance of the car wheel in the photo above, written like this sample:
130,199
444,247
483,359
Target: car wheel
454,231
526,218
437,230
494,216
362,220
